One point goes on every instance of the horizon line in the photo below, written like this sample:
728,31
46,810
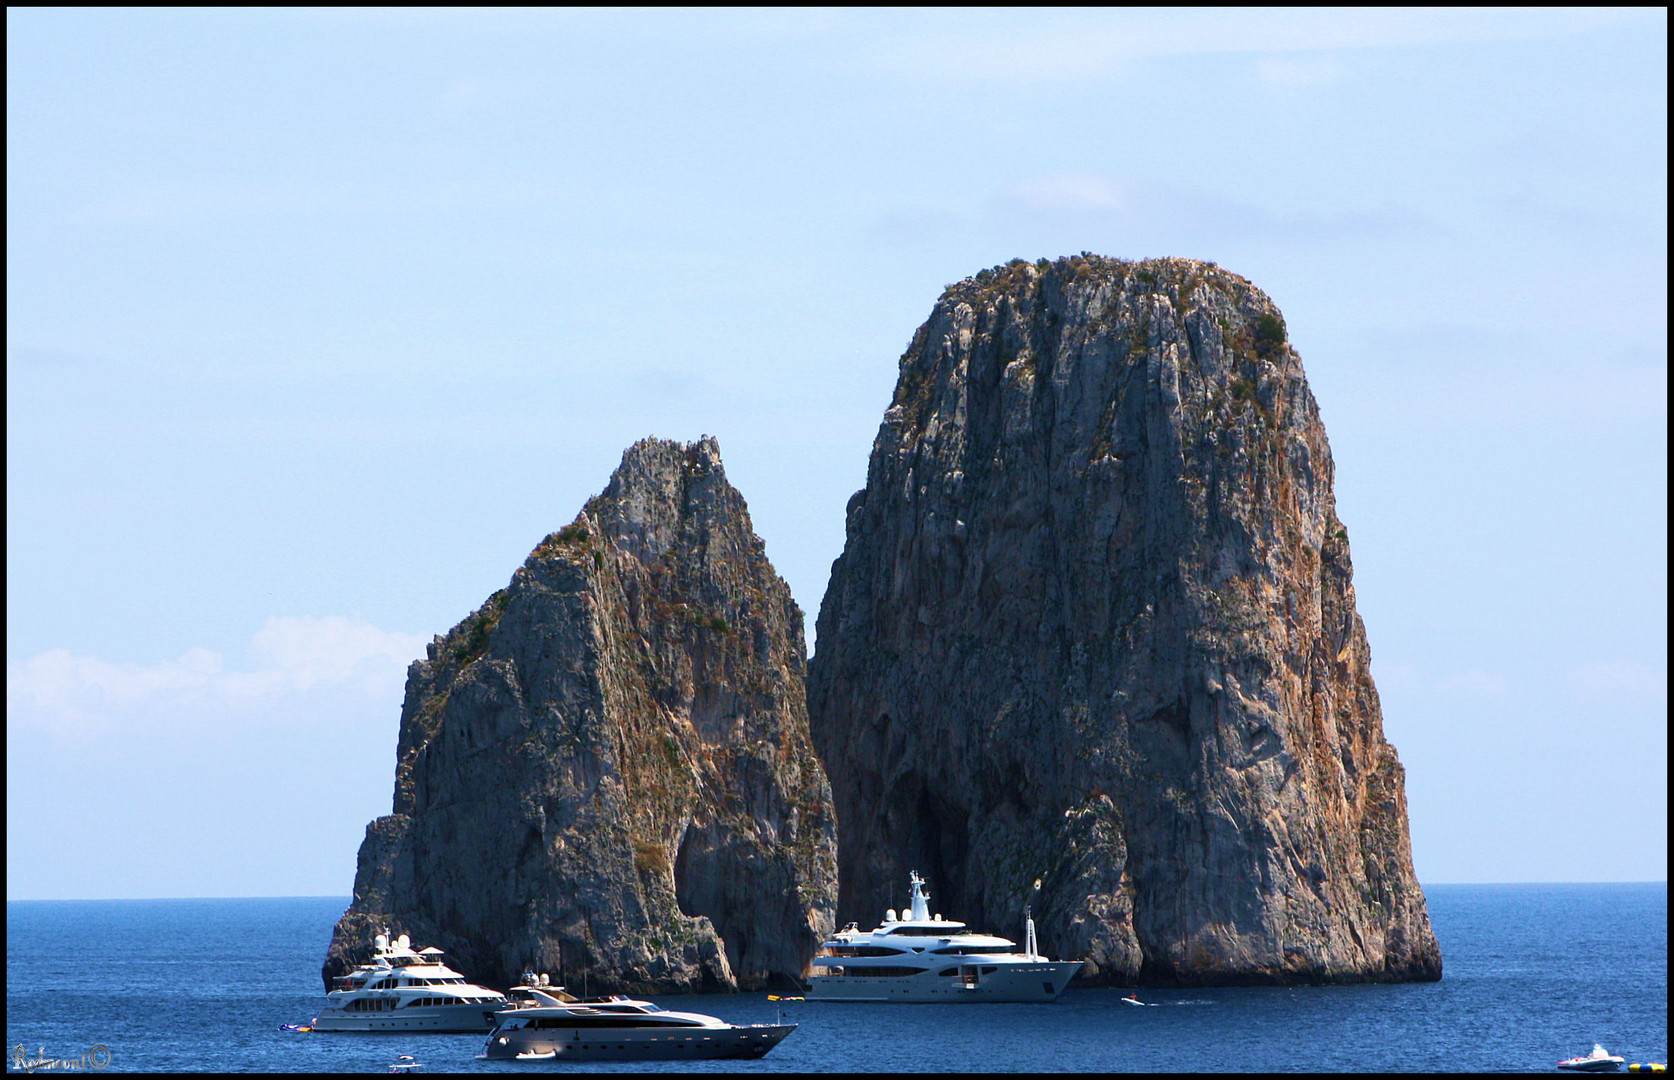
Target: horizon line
350,898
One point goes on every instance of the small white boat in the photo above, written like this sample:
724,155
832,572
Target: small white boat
1600,1060
406,1063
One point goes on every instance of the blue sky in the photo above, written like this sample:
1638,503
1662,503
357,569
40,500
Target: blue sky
317,322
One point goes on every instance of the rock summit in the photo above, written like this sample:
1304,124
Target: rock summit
605,772
1094,626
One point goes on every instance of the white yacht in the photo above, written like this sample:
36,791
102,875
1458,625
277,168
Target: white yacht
403,990
546,1023
920,958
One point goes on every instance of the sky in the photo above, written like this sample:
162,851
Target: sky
318,321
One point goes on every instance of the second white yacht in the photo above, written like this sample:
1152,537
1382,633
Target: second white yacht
919,958
403,990
543,1023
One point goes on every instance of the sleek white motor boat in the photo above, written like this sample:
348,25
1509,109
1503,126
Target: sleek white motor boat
919,958
1600,1060
403,990
545,1023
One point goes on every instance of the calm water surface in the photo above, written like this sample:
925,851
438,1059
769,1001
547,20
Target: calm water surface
1534,973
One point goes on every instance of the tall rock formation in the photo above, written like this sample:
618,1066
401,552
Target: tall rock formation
606,769
1094,624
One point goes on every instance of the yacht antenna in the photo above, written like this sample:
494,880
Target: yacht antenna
1029,924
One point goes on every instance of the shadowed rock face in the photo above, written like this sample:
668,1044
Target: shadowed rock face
1094,623
607,767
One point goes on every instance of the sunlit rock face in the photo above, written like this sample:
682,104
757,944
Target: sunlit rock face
605,772
1094,624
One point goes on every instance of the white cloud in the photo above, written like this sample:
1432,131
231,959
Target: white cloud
1297,71
1129,216
1475,683
149,205
329,650
174,202
1072,191
1067,47
1620,683
1438,377
73,695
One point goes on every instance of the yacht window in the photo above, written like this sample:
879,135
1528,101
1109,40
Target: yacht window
925,931
597,1021
870,950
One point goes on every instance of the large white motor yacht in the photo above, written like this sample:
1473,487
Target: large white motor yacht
403,990
920,958
546,1023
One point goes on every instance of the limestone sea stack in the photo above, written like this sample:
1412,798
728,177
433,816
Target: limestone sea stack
606,771
1094,624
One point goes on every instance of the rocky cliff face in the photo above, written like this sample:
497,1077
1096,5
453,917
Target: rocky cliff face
607,767
1094,623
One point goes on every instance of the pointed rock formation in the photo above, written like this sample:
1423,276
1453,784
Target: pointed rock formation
607,767
1094,623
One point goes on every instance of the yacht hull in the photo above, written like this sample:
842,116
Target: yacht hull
1040,980
635,1044
441,1018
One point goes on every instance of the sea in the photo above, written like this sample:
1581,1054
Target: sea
1533,974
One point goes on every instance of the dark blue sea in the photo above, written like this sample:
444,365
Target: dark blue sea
1534,973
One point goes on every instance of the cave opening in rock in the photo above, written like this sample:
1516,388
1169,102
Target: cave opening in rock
683,875
943,846
703,886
